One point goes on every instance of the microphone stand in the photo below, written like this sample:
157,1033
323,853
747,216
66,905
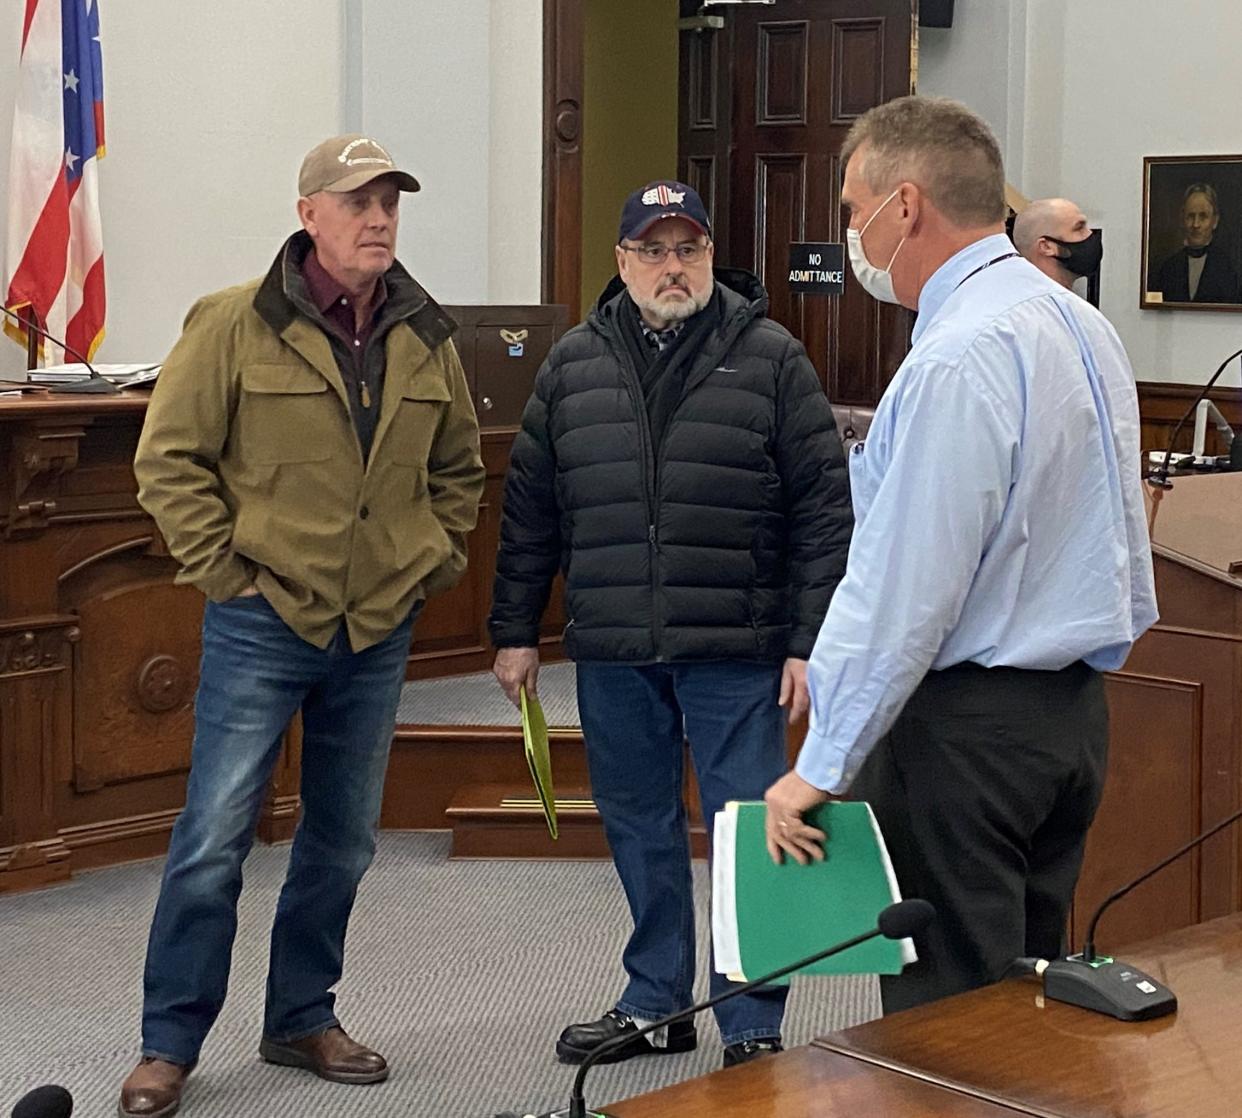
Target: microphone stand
1159,477
898,921
95,384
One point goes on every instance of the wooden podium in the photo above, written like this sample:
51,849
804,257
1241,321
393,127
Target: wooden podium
1175,766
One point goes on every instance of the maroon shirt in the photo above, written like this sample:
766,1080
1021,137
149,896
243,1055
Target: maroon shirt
337,306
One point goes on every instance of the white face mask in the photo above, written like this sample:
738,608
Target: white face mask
876,282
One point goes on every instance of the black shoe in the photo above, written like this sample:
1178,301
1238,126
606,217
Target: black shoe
577,1041
745,1051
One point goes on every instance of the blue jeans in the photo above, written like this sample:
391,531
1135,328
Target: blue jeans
635,721
256,673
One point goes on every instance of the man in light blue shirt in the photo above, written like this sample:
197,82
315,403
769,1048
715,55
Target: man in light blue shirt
1000,563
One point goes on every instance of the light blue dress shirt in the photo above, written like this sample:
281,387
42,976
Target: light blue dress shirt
998,504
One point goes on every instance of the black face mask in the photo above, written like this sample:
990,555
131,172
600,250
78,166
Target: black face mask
1082,257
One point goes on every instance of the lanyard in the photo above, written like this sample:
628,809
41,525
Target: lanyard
997,260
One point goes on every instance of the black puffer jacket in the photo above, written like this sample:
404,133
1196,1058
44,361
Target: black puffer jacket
725,542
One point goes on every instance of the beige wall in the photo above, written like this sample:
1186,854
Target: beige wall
629,120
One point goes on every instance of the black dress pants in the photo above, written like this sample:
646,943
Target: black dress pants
984,789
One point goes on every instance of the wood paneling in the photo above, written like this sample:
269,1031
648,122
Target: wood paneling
857,67
1175,765
1155,775
563,26
35,713
782,77
702,61
98,644
1162,404
794,77
780,203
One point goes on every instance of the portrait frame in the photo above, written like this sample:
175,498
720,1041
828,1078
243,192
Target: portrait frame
1173,228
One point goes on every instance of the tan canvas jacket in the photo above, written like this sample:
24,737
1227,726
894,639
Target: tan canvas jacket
250,464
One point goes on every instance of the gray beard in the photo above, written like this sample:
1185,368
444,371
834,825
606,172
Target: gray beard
672,313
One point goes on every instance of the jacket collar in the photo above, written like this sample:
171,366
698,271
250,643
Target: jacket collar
421,327
283,288
742,301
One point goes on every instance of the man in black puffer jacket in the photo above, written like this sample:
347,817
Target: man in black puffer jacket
678,460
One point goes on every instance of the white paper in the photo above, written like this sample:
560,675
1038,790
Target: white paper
726,951
76,371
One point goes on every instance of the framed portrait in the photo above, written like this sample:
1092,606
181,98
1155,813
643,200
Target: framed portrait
1192,233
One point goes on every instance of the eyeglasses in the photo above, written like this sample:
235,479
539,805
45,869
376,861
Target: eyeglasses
690,252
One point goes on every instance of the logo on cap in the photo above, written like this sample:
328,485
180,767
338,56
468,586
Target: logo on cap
350,160
662,196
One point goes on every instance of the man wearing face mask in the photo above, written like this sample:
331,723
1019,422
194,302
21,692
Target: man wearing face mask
1200,272
1053,234
679,462
1000,564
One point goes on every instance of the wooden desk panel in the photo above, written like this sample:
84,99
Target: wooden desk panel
806,1083
1006,1044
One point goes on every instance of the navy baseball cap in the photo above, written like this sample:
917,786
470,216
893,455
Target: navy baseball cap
658,200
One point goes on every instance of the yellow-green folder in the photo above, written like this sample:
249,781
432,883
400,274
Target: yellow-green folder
535,739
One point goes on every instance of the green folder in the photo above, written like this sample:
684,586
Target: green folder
535,740
765,916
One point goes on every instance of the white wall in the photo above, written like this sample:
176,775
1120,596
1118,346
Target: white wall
198,188
978,42
455,90
515,215
1091,88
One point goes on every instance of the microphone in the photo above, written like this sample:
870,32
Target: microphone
96,384
898,921
44,1102
1159,477
1106,985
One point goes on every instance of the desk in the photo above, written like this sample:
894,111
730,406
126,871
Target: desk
807,1083
1005,1045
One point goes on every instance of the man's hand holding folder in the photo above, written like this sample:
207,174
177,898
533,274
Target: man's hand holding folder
786,830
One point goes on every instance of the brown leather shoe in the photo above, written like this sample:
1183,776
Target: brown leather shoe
330,1055
152,1089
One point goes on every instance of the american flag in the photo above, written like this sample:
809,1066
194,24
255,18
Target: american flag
54,265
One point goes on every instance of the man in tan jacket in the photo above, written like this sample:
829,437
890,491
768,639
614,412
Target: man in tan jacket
311,456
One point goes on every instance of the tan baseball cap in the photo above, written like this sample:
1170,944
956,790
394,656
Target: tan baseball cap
347,162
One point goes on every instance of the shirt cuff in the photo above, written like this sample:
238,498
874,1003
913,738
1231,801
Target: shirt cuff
822,763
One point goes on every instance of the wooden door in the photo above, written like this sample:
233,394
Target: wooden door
765,105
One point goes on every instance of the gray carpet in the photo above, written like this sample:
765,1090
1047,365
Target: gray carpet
477,700
462,973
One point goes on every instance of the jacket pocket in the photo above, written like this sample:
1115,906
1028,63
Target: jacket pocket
284,415
422,402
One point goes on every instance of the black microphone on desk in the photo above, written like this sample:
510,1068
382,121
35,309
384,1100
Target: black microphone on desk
1159,477
898,921
44,1102
95,384
1104,984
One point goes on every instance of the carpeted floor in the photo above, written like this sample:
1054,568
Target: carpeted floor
477,700
462,973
